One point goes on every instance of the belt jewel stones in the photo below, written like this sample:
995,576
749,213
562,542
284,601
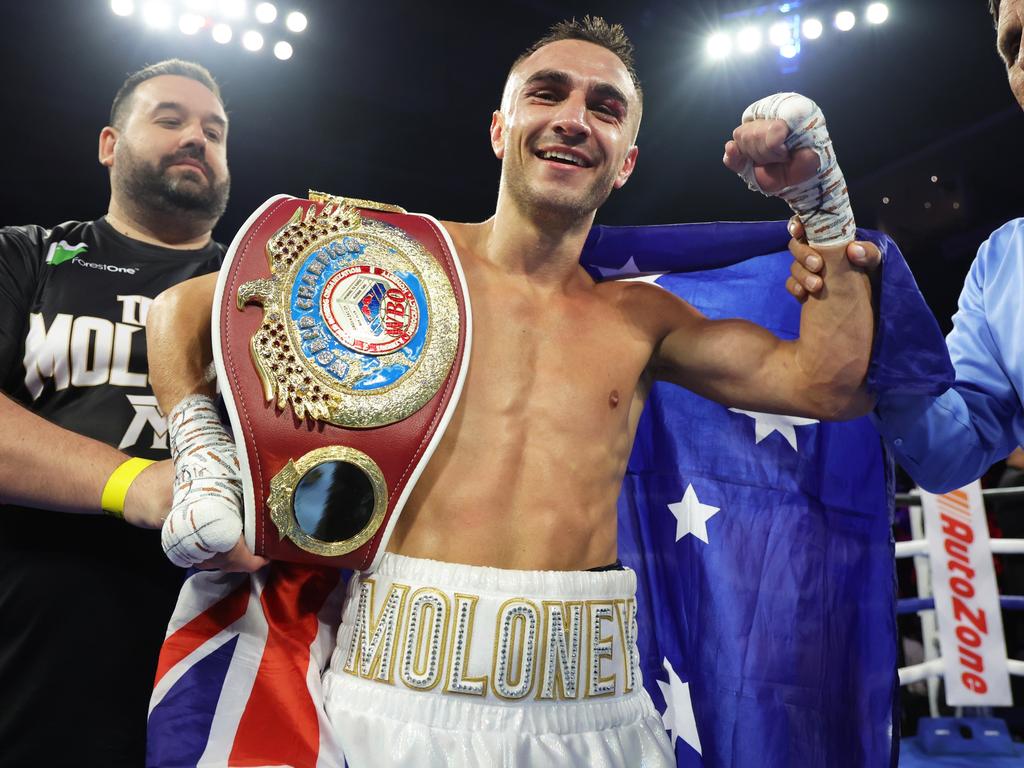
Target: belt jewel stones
360,328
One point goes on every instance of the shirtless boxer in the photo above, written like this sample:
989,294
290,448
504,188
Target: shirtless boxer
516,653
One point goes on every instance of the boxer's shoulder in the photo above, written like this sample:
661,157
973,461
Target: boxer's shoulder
646,306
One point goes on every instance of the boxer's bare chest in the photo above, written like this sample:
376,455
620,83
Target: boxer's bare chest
539,441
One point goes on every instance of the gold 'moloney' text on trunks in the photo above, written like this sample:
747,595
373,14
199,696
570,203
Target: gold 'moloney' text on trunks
429,639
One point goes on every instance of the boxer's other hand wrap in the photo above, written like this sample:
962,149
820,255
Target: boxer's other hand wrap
206,512
822,202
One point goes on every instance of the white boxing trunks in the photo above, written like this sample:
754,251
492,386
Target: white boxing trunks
440,664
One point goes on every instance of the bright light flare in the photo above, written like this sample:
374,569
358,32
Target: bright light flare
221,33
877,13
812,29
283,50
789,51
748,39
296,21
845,21
780,34
122,7
190,23
719,46
265,13
156,14
252,40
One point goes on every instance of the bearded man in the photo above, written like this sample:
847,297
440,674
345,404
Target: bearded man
84,598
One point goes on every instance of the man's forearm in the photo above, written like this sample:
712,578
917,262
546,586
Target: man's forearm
46,466
836,330
178,341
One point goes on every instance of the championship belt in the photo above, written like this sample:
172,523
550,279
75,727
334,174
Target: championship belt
341,334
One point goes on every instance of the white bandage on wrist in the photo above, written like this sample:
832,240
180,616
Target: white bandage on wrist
206,512
822,202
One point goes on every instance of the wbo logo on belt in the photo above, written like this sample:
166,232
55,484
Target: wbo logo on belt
339,390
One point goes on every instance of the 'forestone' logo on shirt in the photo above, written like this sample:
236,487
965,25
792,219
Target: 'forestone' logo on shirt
104,267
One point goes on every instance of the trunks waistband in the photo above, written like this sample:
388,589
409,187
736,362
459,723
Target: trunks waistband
500,636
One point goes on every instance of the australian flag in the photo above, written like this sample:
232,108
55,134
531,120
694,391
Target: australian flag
766,582
762,544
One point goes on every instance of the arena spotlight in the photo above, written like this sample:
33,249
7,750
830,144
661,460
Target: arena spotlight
748,39
156,14
262,22
252,40
812,29
221,33
789,51
265,13
877,13
719,46
780,34
283,50
295,21
190,23
845,21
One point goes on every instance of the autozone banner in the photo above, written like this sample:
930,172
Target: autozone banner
966,598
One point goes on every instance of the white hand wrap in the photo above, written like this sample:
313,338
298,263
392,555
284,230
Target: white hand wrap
206,512
822,202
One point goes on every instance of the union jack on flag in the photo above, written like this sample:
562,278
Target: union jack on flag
238,682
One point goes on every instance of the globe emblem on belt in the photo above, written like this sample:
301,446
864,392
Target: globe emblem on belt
369,309
361,323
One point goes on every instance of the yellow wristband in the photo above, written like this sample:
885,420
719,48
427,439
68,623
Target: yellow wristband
116,489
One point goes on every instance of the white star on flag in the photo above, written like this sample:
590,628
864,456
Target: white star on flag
766,423
629,268
691,515
678,716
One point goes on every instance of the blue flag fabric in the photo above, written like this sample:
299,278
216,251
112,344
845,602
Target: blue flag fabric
762,543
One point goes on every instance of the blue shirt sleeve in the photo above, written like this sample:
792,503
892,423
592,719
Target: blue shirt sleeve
947,441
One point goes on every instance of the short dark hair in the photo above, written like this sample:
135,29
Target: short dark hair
592,29
180,67
993,8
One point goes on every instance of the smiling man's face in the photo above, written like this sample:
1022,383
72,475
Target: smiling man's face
566,129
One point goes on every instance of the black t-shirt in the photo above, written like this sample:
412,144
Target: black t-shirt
84,599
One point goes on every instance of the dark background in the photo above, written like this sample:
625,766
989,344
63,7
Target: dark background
391,101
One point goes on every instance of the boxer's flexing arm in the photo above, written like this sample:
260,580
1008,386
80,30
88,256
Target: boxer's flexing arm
783,148
820,375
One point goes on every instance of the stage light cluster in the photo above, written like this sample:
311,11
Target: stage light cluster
253,24
786,27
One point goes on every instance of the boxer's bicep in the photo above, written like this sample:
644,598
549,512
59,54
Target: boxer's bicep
734,362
